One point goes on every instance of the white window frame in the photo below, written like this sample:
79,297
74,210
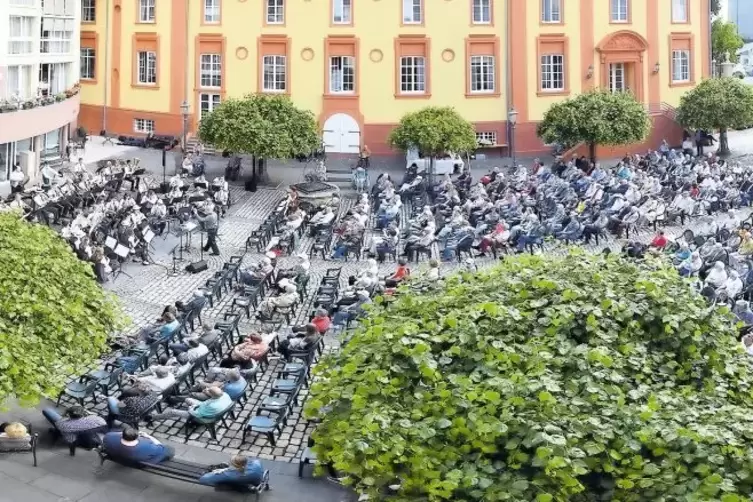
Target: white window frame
342,11
413,12
481,11
680,66
552,66
88,11
416,83
614,70
275,11
143,126
21,42
88,63
483,75
147,10
212,12
619,11
345,83
680,7
210,71
487,136
551,11
212,101
274,66
146,68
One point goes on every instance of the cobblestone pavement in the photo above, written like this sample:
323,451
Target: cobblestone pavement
149,288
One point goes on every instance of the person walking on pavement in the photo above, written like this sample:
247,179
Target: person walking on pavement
210,224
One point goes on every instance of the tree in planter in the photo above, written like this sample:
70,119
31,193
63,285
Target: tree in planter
262,125
434,131
597,117
717,104
575,379
54,318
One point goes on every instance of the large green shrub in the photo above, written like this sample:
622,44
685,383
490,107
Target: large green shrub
575,378
54,317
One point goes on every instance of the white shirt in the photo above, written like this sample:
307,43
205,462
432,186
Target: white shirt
157,384
196,352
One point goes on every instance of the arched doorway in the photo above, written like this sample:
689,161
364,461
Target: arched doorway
622,67
341,134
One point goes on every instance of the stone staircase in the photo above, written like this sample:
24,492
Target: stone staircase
208,150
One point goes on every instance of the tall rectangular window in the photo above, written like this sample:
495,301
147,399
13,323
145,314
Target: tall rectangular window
57,35
342,75
552,72
211,70
208,103
412,74
482,74
482,11
21,35
275,11
146,11
681,66
147,61
619,11
18,82
551,11
679,11
88,63
275,74
342,12
412,12
143,126
211,11
88,11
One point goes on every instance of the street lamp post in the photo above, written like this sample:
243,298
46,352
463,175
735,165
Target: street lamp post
184,110
512,119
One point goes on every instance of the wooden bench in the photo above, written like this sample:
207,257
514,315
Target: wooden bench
189,472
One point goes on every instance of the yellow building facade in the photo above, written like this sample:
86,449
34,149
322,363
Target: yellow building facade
359,65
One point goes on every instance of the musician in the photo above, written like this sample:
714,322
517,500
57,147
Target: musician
46,208
219,183
150,199
101,265
114,205
16,178
79,167
210,224
201,182
222,198
128,176
157,217
128,202
187,166
50,176
176,182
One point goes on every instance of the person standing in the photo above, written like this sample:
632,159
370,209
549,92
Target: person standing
210,224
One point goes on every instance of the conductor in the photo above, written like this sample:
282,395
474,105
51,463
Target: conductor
210,224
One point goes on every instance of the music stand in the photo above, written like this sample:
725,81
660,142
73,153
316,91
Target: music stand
122,252
107,137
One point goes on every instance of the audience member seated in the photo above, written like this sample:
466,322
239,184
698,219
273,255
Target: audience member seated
14,437
217,401
229,380
247,353
286,299
241,472
76,426
352,311
131,445
321,320
157,381
133,403
254,275
208,337
162,330
299,342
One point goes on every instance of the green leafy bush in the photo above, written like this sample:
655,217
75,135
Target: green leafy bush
54,317
576,378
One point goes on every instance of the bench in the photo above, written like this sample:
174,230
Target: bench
182,470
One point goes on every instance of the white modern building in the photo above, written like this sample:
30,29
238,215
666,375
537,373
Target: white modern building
740,12
39,74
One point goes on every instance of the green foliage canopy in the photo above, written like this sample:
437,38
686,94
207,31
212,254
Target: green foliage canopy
267,126
54,318
597,117
576,378
717,103
434,131
725,41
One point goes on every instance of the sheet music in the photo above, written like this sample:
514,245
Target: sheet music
189,226
148,236
110,242
121,251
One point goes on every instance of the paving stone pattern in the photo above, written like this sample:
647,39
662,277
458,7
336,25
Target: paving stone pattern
150,288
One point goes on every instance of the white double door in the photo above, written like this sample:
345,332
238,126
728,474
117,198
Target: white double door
341,134
617,77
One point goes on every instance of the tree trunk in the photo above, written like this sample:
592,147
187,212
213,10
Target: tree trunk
592,152
723,142
431,172
261,172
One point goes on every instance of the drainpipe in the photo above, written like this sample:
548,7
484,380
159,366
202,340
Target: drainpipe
107,68
508,67
186,90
